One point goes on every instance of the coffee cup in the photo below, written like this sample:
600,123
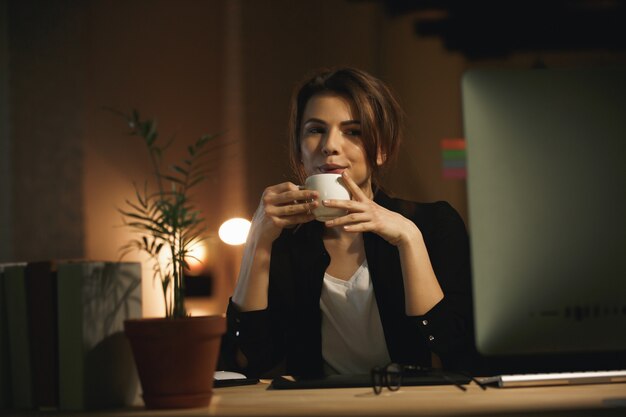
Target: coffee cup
329,187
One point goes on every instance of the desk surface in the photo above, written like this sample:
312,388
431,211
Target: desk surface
607,399
257,400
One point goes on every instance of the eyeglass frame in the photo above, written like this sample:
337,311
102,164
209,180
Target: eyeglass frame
380,377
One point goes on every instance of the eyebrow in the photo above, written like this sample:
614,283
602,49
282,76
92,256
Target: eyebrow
345,122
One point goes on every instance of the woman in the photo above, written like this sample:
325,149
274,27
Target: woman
389,281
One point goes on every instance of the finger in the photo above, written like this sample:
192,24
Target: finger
290,209
281,188
289,197
353,188
271,195
304,195
349,205
297,196
348,219
358,227
296,209
296,219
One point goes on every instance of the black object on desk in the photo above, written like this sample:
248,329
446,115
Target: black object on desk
365,380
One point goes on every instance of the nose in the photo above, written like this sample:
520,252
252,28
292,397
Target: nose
332,142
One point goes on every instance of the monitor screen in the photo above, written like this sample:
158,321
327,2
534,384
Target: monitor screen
546,163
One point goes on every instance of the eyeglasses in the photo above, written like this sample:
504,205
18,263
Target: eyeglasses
390,376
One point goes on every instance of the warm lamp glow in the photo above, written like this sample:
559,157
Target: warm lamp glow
234,231
196,257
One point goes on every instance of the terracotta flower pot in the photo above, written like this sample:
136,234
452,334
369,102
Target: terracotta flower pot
176,359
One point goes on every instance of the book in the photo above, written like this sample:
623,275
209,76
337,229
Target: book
96,366
5,374
41,308
18,339
4,348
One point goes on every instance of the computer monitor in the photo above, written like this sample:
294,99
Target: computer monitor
546,183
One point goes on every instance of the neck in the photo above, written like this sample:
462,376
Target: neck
344,248
341,236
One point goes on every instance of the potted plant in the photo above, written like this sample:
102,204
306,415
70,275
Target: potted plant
175,355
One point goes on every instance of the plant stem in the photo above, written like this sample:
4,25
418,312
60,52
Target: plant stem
179,296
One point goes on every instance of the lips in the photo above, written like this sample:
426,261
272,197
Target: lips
331,169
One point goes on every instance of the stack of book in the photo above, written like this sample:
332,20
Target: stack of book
62,342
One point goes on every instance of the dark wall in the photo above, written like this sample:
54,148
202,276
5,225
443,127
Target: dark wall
46,115
203,67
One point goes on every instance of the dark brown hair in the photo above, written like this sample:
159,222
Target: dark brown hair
378,109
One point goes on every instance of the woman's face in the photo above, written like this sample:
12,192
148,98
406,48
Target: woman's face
330,140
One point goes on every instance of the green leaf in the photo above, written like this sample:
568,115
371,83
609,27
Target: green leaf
137,216
140,209
167,145
204,152
180,170
173,179
166,219
152,130
151,138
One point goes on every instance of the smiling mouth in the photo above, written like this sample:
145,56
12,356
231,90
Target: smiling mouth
331,169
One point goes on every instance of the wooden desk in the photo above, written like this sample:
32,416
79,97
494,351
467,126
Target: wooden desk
256,400
609,400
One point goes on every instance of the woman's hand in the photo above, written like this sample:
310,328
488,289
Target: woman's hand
283,205
364,215
421,288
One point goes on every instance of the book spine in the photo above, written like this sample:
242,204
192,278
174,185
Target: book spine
41,301
19,344
96,367
70,336
5,375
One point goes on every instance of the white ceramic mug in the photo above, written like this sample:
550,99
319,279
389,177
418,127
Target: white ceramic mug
329,187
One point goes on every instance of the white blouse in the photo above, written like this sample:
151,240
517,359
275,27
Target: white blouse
353,340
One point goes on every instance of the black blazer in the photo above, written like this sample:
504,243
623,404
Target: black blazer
289,329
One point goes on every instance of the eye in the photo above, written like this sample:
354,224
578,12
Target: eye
352,132
314,130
